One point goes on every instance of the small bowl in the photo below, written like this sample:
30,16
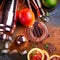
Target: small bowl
38,32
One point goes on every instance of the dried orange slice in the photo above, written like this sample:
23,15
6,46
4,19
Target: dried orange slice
46,55
55,57
35,54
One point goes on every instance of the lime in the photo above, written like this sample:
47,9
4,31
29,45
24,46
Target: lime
49,3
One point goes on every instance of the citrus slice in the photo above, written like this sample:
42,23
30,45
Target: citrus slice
35,54
55,57
46,55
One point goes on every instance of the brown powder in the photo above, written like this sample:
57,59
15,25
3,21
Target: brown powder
54,38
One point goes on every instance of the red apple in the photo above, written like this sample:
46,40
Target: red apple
26,17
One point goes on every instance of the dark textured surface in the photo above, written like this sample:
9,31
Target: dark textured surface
54,17
54,20
12,57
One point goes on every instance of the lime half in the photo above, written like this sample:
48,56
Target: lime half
49,3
